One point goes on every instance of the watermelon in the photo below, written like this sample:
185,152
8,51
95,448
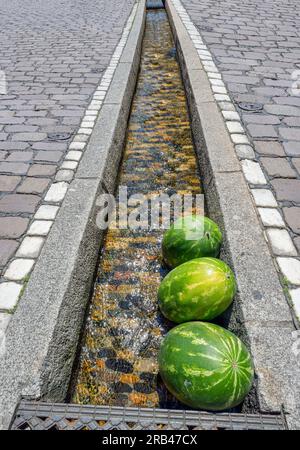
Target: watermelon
199,289
191,237
205,366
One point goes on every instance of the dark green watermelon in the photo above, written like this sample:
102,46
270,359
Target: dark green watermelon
199,289
191,237
205,366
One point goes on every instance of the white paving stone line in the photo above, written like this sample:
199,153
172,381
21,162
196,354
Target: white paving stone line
33,241
277,235
295,297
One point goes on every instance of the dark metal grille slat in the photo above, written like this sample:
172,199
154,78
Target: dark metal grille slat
62,416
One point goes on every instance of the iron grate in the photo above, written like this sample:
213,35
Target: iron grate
61,416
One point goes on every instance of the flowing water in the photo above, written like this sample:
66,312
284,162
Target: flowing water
118,361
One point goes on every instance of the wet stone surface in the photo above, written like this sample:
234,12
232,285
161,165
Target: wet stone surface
118,362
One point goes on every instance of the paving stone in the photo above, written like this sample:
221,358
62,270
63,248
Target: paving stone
64,175
66,113
4,321
245,151
33,185
12,227
292,148
230,115
19,156
282,110
14,145
278,168
20,128
41,170
72,165
292,121
264,197
295,297
3,136
287,100
297,243
286,189
271,217
290,268
262,119
262,131
7,249
225,106
30,247
16,203
77,146
8,183
296,163
40,227
269,148
73,155
56,192
18,269
253,172
14,168
289,133
81,138
242,79
46,212
31,137
239,139
9,295
268,91
292,217
281,242
50,156
234,127
51,146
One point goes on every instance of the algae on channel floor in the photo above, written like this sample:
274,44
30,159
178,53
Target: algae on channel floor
118,361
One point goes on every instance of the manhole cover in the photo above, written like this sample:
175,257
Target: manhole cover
59,136
250,106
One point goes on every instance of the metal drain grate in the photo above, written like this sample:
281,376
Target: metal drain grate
61,416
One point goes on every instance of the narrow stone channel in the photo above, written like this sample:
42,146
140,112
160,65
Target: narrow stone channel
118,361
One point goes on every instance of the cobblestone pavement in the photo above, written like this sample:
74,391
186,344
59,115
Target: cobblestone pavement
256,48
52,54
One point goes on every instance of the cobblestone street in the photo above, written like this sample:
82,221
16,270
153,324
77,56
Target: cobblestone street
53,55
256,47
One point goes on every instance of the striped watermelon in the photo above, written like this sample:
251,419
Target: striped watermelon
191,237
205,366
199,289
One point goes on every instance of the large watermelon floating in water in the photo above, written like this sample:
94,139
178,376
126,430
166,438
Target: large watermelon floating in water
205,366
199,289
191,237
